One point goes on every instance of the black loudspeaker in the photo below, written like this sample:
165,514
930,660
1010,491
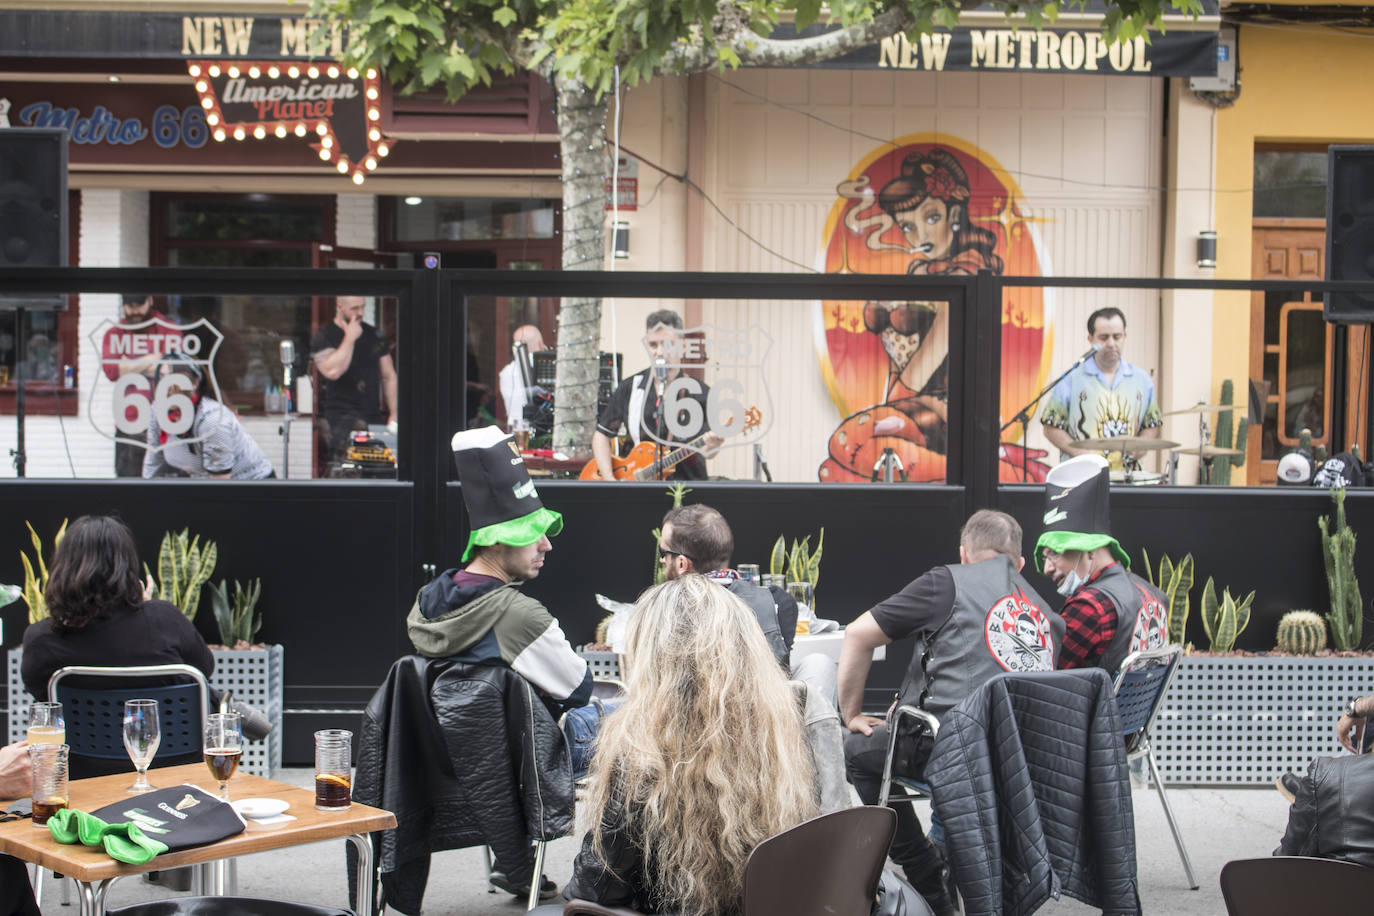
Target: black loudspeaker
1350,230
33,197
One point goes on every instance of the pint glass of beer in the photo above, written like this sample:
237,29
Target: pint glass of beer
333,775
48,780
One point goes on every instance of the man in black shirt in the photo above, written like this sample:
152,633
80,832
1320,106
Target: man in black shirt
637,406
353,357
973,620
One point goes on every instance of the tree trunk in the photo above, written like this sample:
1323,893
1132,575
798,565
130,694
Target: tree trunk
582,132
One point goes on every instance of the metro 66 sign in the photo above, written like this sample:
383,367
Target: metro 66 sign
130,354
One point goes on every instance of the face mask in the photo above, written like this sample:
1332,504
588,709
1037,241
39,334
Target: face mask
1071,582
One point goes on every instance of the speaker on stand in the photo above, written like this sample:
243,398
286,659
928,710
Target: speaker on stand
33,230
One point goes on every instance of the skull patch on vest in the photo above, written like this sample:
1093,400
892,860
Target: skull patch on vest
1151,624
1018,634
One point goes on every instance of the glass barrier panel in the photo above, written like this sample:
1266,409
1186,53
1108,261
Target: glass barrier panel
731,389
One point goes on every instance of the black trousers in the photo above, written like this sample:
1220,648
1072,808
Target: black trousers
863,759
16,894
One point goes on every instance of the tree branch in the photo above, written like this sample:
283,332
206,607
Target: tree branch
757,51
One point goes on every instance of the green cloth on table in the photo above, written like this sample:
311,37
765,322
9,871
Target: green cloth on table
123,842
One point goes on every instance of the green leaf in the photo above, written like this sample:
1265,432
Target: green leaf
807,11
504,16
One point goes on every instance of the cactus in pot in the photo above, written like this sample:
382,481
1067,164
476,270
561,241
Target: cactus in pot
183,566
1301,633
1338,550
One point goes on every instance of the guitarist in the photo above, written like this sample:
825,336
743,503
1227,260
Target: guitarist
637,405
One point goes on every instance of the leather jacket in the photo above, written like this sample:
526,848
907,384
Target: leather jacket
1333,813
999,756
463,755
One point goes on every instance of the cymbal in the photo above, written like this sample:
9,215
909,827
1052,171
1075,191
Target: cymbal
1203,408
1210,451
1125,444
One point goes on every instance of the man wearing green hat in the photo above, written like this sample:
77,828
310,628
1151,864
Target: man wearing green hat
1109,611
477,614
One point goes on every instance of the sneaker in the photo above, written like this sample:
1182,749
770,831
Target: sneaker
499,882
1288,785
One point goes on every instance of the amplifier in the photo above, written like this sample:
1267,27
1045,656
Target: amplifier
546,368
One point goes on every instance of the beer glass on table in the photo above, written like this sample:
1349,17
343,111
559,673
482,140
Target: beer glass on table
142,735
46,725
223,748
803,594
47,780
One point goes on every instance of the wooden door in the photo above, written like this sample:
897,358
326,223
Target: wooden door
1291,347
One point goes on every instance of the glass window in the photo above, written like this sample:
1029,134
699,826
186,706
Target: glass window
1290,183
465,219
748,371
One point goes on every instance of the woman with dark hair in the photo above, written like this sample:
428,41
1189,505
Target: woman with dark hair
929,202
210,441
99,614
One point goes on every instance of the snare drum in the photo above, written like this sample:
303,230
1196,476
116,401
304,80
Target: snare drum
1136,478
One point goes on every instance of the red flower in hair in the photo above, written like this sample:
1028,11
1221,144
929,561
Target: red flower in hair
940,183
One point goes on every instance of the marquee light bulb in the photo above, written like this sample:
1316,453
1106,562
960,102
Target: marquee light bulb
194,69
202,87
352,73
370,164
313,72
383,150
239,133
220,135
254,72
343,166
294,71
357,177
233,72
300,129
372,92
274,72
207,103
333,73
259,132
374,135
212,119
280,131
373,114
327,142
214,70
372,73
322,129
324,154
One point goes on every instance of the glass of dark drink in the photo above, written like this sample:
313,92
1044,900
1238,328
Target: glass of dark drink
48,780
223,748
333,774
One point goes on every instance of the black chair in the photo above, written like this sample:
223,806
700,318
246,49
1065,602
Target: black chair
843,852
1140,687
225,906
1282,885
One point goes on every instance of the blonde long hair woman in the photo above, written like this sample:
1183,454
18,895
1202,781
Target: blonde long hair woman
705,759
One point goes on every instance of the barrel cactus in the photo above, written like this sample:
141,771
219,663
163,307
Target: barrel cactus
1302,633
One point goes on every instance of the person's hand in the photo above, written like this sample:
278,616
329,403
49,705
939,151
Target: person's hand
353,329
14,770
149,588
711,441
1347,724
864,725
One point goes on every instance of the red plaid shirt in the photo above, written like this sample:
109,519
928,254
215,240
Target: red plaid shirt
1089,625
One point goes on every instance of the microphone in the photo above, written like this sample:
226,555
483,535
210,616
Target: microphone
660,368
1092,351
288,352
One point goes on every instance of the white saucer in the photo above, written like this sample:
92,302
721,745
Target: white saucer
258,808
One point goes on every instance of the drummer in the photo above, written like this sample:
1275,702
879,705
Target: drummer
1104,397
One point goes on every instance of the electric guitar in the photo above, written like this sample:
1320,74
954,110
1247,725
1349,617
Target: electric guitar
644,462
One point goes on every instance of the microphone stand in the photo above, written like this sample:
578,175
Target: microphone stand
1023,415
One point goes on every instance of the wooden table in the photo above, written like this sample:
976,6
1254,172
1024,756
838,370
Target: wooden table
95,871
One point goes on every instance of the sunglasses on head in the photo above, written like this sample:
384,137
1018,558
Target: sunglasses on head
905,319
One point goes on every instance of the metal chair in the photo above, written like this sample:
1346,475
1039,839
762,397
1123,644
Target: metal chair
1140,687
94,719
1280,885
840,882
914,789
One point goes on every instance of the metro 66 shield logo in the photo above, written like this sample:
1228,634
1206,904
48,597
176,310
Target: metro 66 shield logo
130,356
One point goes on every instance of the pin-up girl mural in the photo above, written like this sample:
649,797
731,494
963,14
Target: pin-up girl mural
941,210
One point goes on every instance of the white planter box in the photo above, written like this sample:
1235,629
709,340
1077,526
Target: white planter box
255,676
1244,721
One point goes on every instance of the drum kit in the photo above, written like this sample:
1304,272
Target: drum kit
1132,475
